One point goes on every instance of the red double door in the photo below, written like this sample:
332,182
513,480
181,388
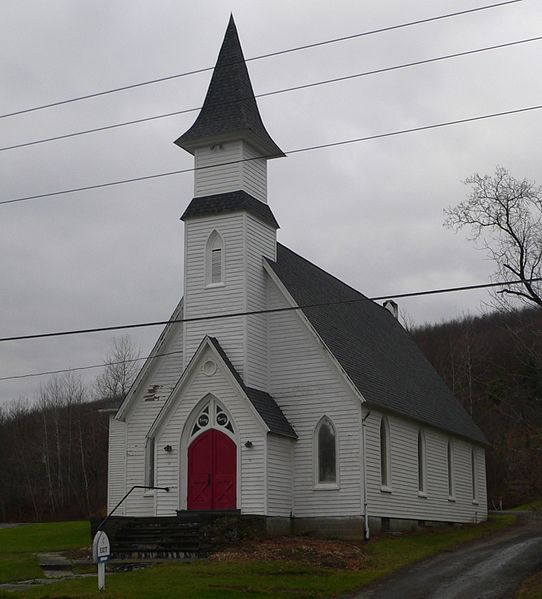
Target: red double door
212,472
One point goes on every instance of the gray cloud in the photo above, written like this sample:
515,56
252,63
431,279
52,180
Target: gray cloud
371,213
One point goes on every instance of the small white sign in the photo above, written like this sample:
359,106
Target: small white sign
101,547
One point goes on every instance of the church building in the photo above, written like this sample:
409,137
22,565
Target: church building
282,392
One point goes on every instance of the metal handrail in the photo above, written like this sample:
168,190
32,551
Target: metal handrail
166,489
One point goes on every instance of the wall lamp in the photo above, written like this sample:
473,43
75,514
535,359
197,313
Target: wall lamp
249,444
168,448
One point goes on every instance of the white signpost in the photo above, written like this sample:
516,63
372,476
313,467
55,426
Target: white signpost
101,553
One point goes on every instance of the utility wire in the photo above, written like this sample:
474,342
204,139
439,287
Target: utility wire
89,366
273,93
268,55
294,151
266,311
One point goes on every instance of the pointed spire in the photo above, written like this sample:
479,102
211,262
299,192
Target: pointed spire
230,106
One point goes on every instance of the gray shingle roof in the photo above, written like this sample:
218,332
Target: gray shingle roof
231,201
379,356
265,405
230,106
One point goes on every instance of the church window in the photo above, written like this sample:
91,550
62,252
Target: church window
450,460
473,475
212,415
422,485
326,453
385,478
214,260
149,462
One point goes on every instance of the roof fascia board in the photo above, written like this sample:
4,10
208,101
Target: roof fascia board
145,369
185,377
424,425
290,300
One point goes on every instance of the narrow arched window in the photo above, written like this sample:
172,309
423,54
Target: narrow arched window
473,475
214,260
450,458
326,452
421,462
384,452
149,462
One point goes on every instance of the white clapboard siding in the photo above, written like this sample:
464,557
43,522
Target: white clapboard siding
254,173
150,395
404,501
202,300
172,467
116,465
279,475
307,386
209,180
246,241
238,168
260,242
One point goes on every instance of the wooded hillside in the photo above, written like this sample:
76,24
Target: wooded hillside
493,364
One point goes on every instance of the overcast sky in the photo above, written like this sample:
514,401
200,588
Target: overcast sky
370,213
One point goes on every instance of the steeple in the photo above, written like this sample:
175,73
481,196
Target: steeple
230,110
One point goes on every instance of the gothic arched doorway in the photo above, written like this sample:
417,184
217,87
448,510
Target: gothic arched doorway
212,472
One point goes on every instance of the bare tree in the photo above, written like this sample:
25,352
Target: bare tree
505,215
120,369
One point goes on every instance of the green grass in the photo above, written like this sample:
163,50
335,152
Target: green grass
527,507
265,580
19,545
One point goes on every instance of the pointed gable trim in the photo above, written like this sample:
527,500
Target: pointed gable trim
267,412
230,108
145,369
291,301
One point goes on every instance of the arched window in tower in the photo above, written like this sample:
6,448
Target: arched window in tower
326,452
214,260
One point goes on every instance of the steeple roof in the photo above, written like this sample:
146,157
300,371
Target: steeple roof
230,106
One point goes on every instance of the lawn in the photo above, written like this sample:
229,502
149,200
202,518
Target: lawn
533,506
251,578
19,545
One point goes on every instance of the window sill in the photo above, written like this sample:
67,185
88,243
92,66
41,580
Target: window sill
386,489
326,487
148,493
422,494
451,499
475,502
214,285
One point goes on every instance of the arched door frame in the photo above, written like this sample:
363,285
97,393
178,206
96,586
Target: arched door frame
187,438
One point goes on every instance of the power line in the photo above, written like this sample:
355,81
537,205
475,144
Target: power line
274,92
268,55
266,311
88,366
294,151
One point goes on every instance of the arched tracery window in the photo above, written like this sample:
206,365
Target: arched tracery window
212,415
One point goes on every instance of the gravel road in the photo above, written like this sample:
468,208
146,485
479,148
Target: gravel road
488,569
